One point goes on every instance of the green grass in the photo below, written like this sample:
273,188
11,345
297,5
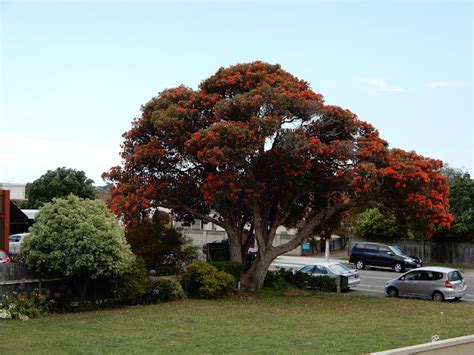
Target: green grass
262,323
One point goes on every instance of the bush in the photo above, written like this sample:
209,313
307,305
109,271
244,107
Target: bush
283,280
23,307
164,290
79,239
231,267
131,286
203,280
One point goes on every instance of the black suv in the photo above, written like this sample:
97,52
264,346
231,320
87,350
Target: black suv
382,255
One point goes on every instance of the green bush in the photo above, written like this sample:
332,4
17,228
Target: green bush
203,280
231,267
283,280
131,286
164,290
23,306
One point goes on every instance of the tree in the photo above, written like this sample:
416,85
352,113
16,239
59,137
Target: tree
461,206
59,183
254,147
373,225
157,243
77,238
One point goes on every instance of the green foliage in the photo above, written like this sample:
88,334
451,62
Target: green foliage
461,207
203,280
159,244
283,280
233,268
164,290
78,238
23,306
168,270
373,225
59,183
132,285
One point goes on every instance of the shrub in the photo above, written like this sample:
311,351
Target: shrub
164,290
205,281
168,270
231,267
23,306
131,286
77,238
283,280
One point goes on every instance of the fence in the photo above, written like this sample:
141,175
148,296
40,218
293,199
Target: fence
432,252
17,277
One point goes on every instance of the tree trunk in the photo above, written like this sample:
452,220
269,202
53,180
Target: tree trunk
258,271
235,246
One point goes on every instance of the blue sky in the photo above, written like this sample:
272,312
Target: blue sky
74,73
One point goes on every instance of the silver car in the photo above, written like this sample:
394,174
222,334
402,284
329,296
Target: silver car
332,269
436,283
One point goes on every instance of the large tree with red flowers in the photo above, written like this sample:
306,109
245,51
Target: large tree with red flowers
254,148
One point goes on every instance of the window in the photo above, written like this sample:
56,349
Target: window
308,269
371,247
413,276
384,250
15,238
339,268
455,276
318,269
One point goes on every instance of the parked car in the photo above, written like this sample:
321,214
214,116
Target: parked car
4,258
332,269
15,243
437,283
382,255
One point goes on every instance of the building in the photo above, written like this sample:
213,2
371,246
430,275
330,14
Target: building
17,191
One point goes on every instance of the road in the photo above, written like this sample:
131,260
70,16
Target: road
372,281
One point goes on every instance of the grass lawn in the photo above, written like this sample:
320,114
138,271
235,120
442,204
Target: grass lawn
263,323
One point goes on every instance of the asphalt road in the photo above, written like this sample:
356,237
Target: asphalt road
372,283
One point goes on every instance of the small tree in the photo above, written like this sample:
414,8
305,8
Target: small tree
373,225
59,183
77,238
159,244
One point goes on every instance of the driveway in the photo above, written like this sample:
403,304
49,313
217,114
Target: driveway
372,281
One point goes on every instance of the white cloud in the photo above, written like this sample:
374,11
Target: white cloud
25,159
380,85
446,84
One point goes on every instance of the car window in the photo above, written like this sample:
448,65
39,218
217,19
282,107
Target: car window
455,276
307,269
437,275
383,250
426,275
339,268
371,247
413,276
318,269
15,238
397,250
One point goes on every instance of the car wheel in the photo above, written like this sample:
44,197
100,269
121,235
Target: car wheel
360,265
438,297
392,292
398,267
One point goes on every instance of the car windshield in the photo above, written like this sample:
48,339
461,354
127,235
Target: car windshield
397,250
455,276
339,268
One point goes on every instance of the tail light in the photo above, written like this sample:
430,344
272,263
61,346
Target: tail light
448,284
